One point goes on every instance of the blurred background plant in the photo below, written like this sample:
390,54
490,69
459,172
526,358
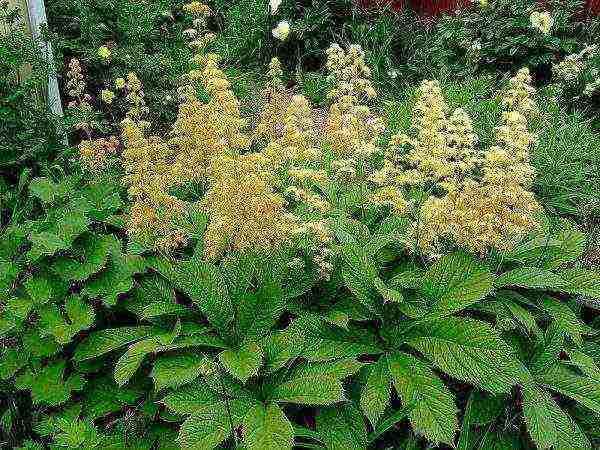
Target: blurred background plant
28,134
578,82
504,35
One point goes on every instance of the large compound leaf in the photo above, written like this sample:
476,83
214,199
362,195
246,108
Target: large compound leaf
177,370
101,342
208,426
433,411
582,389
342,428
244,362
530,278
454,283
471,351
548,425
267,428
375,395
311,389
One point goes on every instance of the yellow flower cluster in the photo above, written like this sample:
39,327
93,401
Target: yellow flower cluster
443,151
245,211
519,95
349,72
498,209
542,21
295,142
321,237
95,153
135,97
352,129
204,131
275,103
155,214
391,196
76,87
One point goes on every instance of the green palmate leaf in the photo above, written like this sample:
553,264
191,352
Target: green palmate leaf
43,188
389,295
566,320
548,425
153,296
207,427
531,278
455,282
116,278
551,252
267,428
157,309
521,315
258,311
79,316
11,361
102,397
471,351
105,341
582,282
547,354
309,390
433,411
481,410
131,360
359,275
388,422
538,410
207,288
191,397
281,347
408,280
49,385
91,255
177,370
585,363
582,389
45,243
39,289
329,345
342,428
350,230
340,369
375,395
244,362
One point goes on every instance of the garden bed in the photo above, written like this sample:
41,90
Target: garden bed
307,225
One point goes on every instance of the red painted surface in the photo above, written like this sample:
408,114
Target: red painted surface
436,7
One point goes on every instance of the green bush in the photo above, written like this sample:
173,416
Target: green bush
322,320
28,133
500,37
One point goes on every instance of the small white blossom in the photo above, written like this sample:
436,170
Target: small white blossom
282,30
541,21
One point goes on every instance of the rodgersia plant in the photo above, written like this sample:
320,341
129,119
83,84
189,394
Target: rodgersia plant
300,281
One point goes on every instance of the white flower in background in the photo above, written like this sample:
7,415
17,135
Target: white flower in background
282,30
393,74
476,45
275,4
541,21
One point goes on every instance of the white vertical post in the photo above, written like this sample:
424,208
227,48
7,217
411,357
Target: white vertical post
37,17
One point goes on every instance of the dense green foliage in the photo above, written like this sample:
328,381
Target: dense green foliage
108,345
